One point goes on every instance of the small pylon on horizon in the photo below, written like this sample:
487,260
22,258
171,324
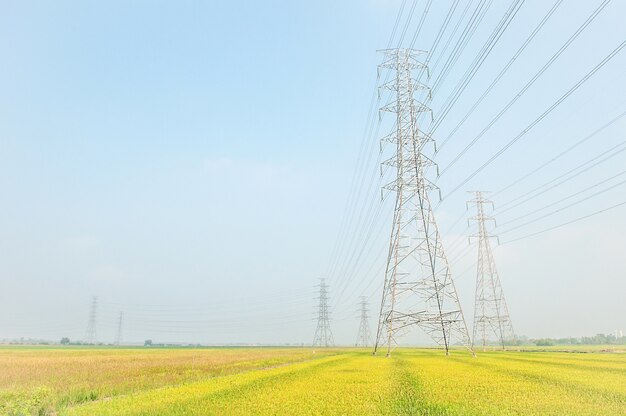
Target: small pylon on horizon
364,337
323,335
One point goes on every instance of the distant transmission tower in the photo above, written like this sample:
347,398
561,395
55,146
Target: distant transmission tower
364,338
118,338
418,288
90,333
323,335
491,315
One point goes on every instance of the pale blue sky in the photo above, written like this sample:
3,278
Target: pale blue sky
189,163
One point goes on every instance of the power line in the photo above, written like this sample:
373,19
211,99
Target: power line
440,33
465,271
607,59
528,84
561,154
406,23
459,48
567,176
460,254
421,23
567,197
566,223
355,192
454,224
498,77
454,30
395,26
351,269
486,49
564,208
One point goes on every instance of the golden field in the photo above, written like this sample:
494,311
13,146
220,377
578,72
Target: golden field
300,381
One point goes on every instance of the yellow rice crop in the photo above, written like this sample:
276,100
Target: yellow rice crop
43,379
352,382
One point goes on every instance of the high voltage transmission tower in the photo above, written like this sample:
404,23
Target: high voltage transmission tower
418,288
491,314
118,337
323,335
90,333
364,338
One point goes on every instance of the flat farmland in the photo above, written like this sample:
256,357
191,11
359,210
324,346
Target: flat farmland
303,381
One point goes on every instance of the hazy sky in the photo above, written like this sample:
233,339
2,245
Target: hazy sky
190,162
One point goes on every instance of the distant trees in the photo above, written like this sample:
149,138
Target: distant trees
147,343
598,339
518,341
65,341
545,342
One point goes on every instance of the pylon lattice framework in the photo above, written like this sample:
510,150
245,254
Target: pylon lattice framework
491,314
118,337
323,335
90,333
418,288
364,337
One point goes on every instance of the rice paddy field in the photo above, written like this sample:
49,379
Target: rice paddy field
301,381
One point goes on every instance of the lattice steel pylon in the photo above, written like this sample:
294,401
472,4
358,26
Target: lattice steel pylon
364,337
90,333
491,314
323,334
418,288
118,337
